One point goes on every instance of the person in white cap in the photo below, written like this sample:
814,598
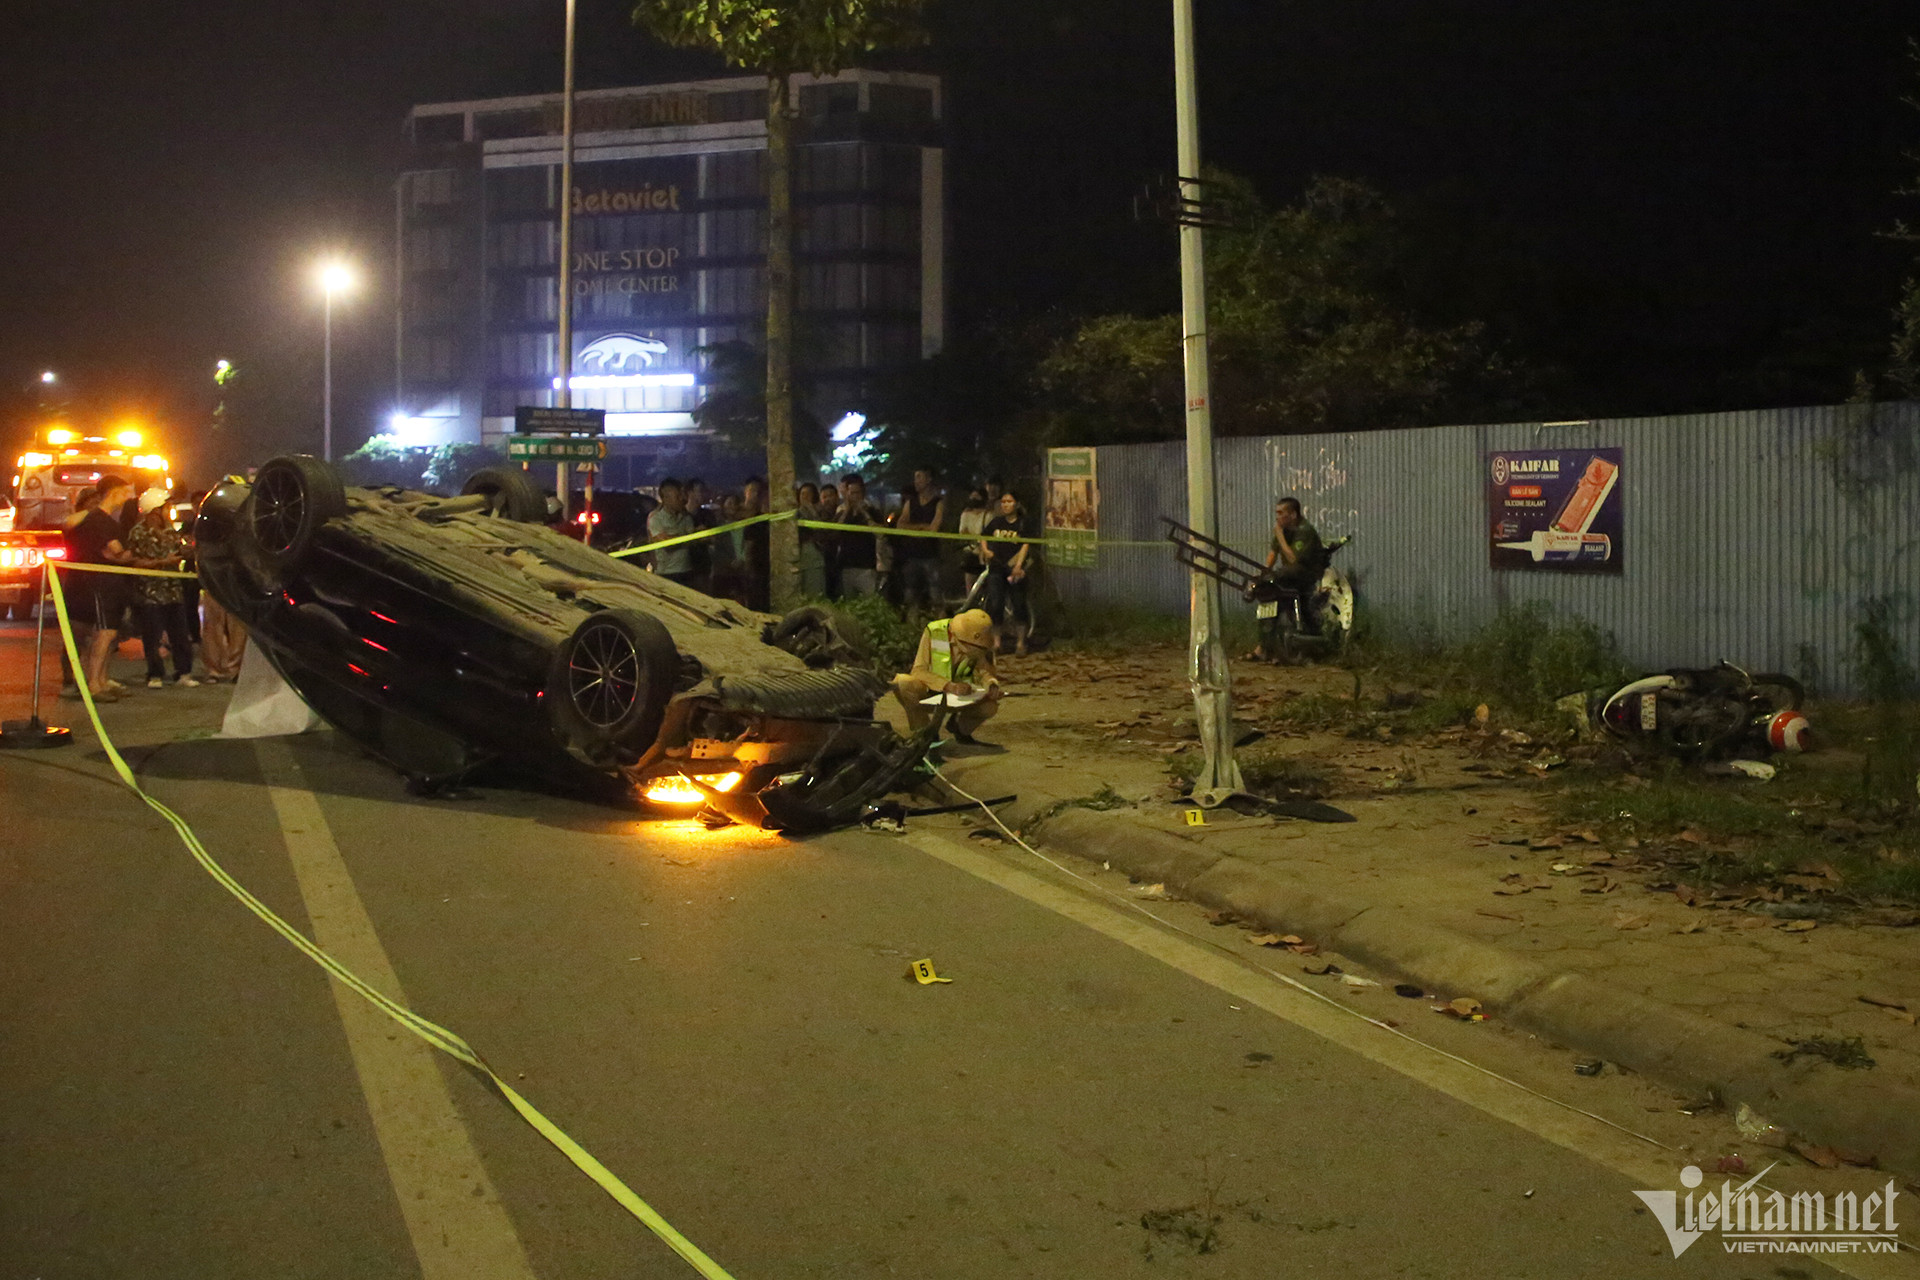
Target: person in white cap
154,543
955,657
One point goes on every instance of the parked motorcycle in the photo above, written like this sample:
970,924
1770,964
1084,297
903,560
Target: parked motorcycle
1708,714
1296,624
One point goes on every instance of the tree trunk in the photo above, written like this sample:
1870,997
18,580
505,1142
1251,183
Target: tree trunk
784,585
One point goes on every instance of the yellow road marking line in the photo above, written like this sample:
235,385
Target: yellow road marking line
1584,1137
460,1229
437,1036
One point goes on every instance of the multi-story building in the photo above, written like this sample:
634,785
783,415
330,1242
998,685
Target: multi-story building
669,239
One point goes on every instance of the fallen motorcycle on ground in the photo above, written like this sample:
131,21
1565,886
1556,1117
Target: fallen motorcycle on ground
1711,713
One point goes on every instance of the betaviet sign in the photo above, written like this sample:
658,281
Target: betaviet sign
1555,509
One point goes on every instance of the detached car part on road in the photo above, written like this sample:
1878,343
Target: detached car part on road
446,634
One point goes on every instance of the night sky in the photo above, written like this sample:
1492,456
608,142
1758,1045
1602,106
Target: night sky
1674,204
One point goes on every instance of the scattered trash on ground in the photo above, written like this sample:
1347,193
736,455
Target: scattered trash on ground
1321,970
1588,1066
1150,890
1354,980
1465,1008
1757,1128
1624,920
1848,1053
1408,990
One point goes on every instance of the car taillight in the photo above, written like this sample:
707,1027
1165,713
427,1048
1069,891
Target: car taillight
56,553
19,558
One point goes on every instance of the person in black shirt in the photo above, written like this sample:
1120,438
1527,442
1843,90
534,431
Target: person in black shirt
1007,570
918,559
101,598
855,552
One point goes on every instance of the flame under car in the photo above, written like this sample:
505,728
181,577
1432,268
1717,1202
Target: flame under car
451,635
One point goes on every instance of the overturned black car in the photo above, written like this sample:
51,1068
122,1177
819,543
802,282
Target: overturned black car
450,634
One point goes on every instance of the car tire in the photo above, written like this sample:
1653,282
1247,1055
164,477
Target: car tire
291,497
513,495
610,684
822,637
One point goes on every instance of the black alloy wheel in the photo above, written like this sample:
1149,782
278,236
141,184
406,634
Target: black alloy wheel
603,675
290,498
279,511
609,686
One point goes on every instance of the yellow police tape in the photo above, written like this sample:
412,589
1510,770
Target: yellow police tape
882,530
434,1034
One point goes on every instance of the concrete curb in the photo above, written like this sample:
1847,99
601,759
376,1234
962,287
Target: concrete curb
1680,1048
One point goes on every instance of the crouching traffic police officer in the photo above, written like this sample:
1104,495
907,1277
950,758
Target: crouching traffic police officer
955,657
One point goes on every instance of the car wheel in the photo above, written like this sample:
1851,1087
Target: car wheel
290,499
822,637
513,495
610,685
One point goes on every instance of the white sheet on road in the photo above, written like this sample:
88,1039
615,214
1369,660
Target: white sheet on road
263,704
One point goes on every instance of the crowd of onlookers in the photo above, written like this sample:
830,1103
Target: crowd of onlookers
114,526
921,575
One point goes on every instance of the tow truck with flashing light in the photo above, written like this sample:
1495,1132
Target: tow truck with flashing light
63,460
58,464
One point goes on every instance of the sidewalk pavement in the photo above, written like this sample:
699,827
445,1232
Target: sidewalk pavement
1445,881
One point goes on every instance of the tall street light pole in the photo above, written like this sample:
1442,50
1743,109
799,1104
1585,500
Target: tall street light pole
335,277
562,487
1207,672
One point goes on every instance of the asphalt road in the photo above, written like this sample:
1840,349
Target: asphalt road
725,1020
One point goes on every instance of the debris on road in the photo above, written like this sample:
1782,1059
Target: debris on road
1848,1053
1354,980
1321,971
1408,990
1588,1066
1757,1128
1156,890
1465,1008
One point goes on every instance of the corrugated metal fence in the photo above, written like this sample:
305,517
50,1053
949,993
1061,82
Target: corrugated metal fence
1755,536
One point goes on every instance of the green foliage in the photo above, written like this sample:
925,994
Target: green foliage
957,412
453,463
781,37
1890,765
735,407
1527,660
1309,330
892,637
382,462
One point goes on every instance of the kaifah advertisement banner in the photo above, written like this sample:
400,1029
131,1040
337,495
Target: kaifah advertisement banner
1555,509
1073,509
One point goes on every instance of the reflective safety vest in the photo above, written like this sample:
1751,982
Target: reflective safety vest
940,646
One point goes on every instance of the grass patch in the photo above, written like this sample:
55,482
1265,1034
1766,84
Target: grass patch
1807,822
1105,628
1519,664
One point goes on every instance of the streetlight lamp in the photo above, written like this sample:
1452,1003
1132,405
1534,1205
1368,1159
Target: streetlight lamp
49,377
334,276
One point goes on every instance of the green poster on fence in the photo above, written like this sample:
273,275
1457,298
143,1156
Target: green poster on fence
1073,509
